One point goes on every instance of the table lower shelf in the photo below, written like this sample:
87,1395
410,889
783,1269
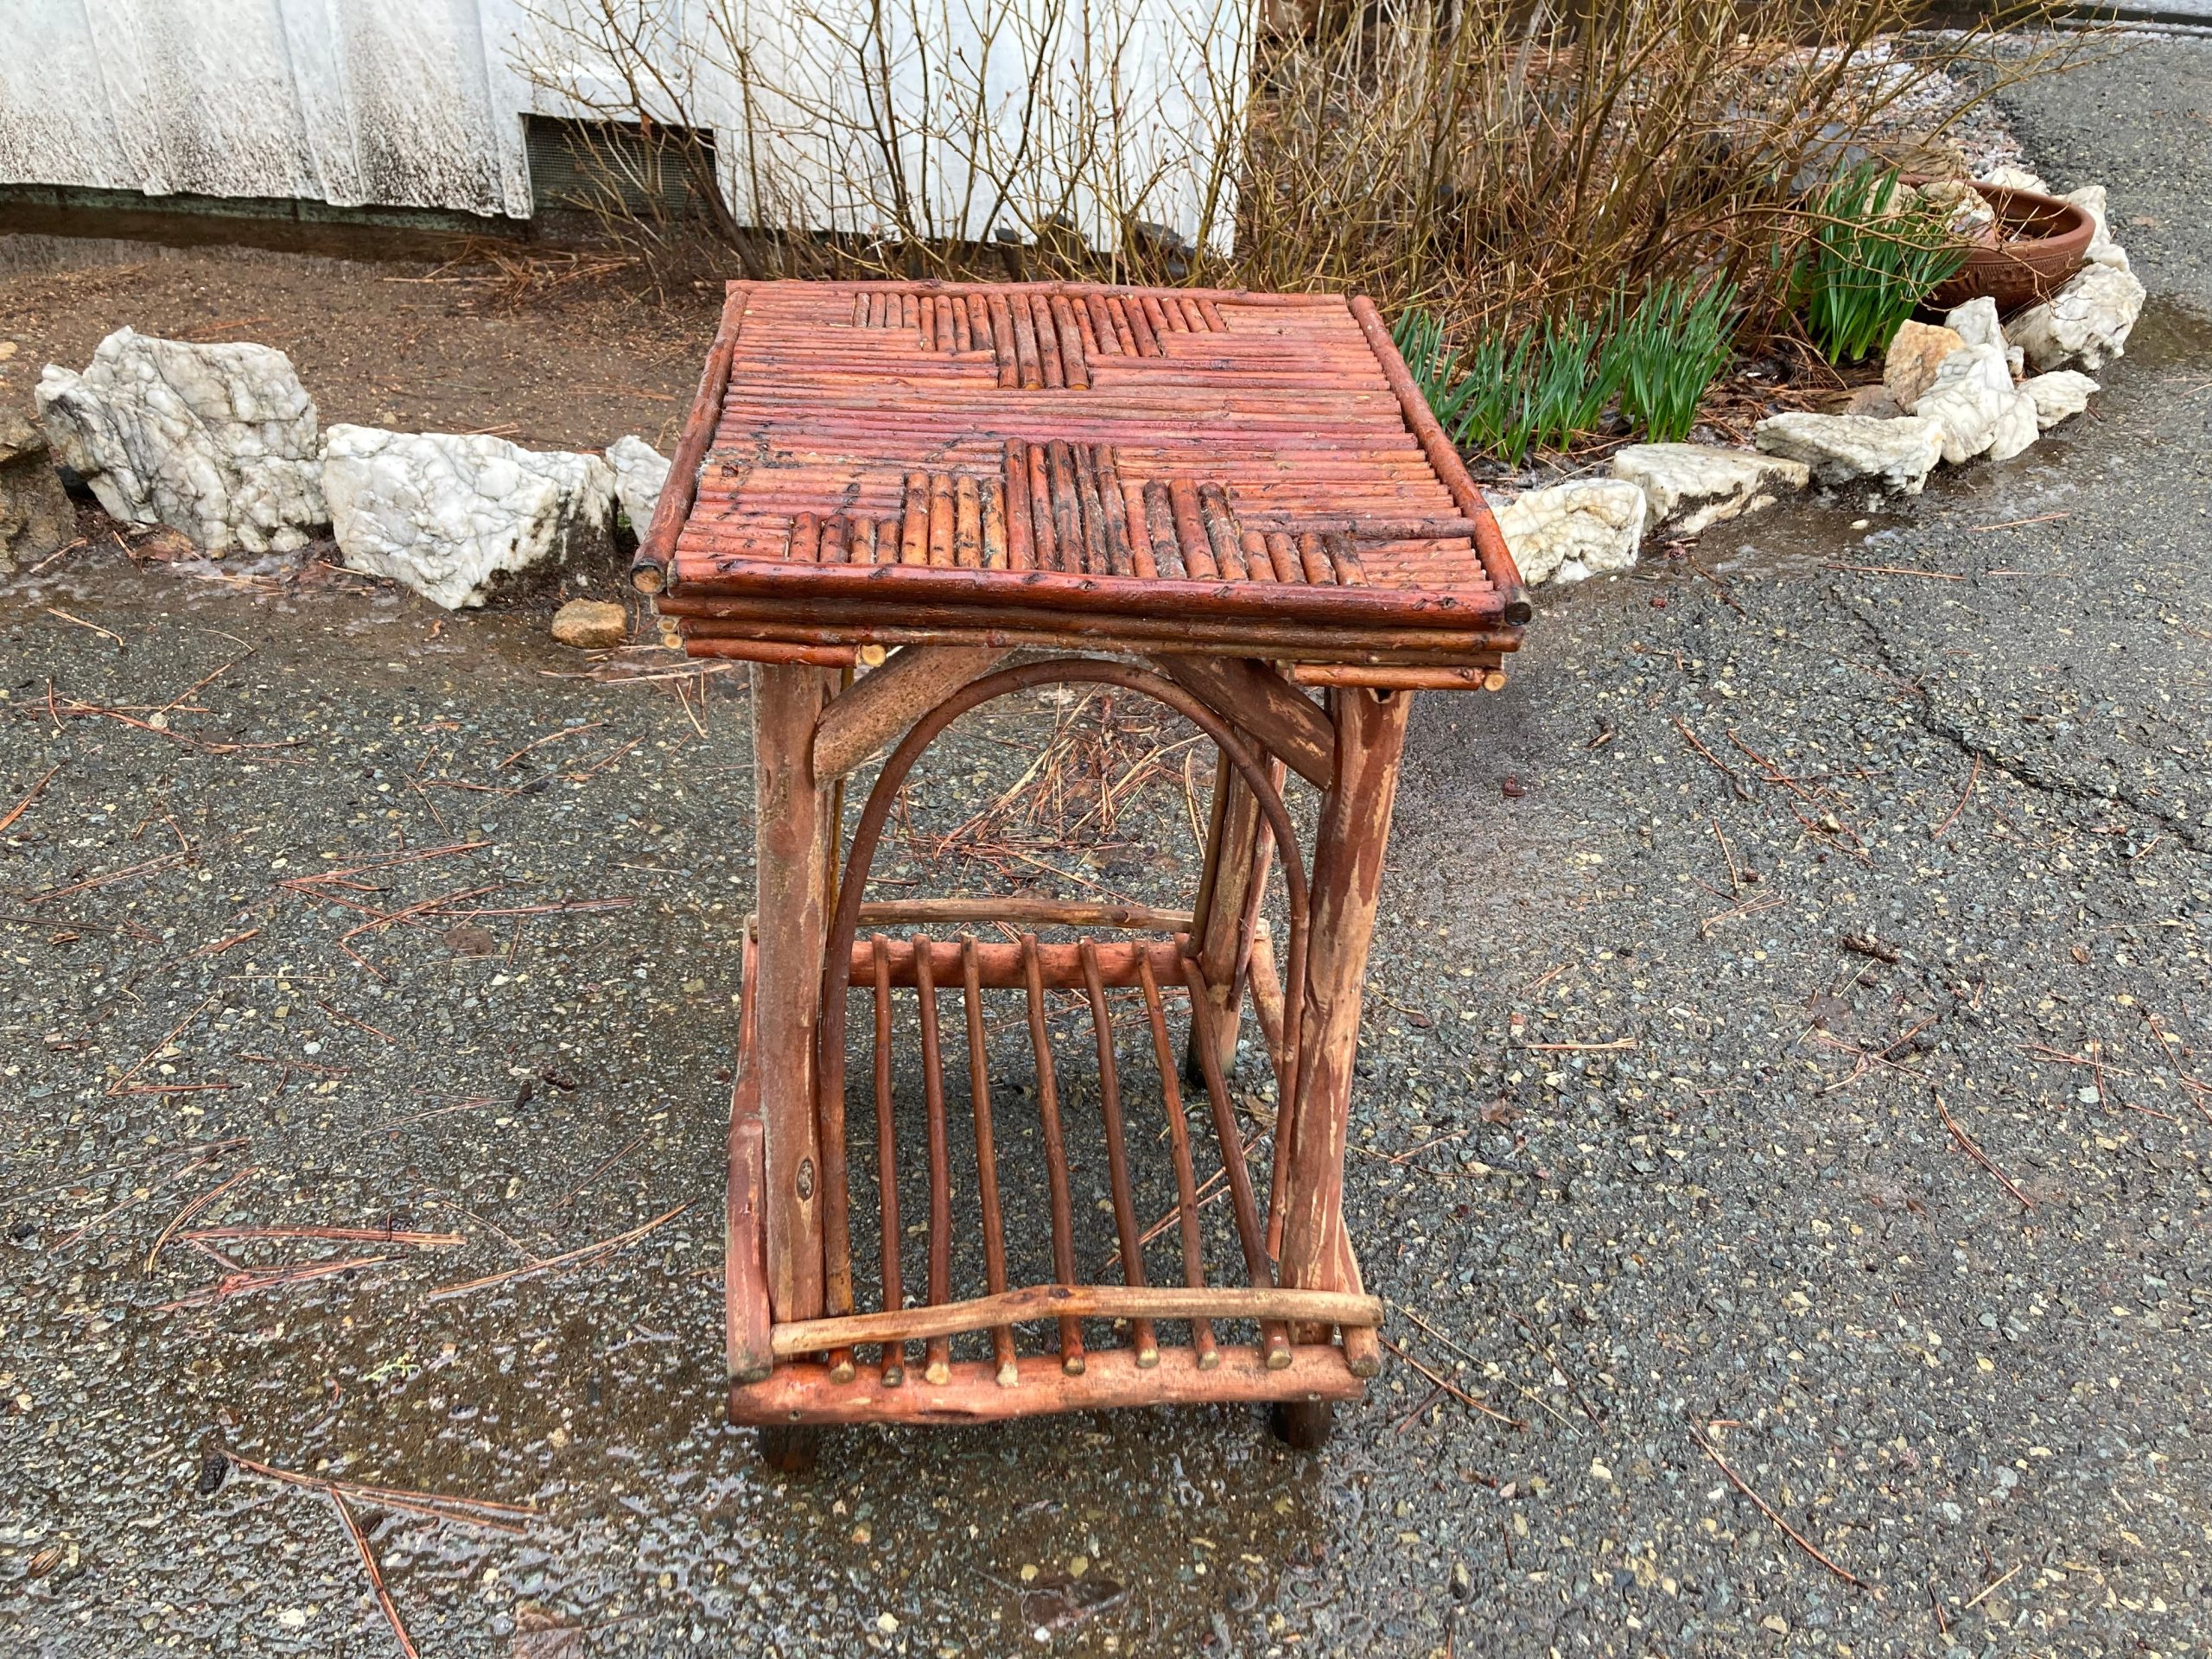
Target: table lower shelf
1251,1341
806,1392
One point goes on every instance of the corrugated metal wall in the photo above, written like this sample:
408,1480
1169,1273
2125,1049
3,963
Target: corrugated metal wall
418,104
397,103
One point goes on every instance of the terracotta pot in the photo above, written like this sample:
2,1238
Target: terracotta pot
2047,241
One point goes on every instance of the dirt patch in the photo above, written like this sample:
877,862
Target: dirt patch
553,352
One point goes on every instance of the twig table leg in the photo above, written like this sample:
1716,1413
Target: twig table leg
1347,876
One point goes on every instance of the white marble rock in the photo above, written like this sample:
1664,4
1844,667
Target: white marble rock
2015,178
640,472
448,515
1839,448
2086,321
1705,485
2058,395
2103,250
1981,412
218,442
1975,323
1571,531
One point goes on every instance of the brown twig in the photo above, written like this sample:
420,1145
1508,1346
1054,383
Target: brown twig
244,1281
1966,794
444,1505
1892,571
1711,758
1771,1514
347,1234
1452,1389
106,633
165,861
567,1197
24,805
2016,524
369,1565
1980,1156
175,1032
194,1209
566,731
566,1258
413,856
340,1013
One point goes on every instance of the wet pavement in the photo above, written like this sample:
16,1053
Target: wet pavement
1789,1079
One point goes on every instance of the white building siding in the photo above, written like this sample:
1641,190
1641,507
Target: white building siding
418,102
392,102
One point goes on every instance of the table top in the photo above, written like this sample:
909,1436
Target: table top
1201,469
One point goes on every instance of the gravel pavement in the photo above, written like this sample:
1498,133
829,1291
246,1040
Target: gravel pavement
1780,1102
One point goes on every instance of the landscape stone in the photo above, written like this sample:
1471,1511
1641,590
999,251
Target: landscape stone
591,624
2087,321
2058,395
1975,322
216,441
1840,448
2015,178
1975,403
1706,485
1916,351
2103,250
447,515
640,470
35,516
1874,401
1571,531
1973,218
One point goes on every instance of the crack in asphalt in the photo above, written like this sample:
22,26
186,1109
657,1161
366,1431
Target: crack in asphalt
2020,771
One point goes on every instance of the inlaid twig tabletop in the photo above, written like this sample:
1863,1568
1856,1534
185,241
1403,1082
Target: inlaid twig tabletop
1238,474
901,501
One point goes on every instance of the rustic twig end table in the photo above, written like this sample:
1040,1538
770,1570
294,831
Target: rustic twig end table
1226,502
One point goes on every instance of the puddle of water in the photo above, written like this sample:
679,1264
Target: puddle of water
2170,334
1800,538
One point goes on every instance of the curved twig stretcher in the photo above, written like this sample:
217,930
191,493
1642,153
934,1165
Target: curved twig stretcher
1246,492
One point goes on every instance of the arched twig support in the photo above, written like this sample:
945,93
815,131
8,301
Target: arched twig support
829,1072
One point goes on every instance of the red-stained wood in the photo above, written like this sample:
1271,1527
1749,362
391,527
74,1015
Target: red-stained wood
937,1354
1001,963
1274,1336
804,1393
775,652
746,1342
1265,980
1347,879
1399,679
1141,1335
735,637
1057,587
1023,910
1497,561
987,1162
1289,724
1072,1357
880,705
1138,1302
792,861
1178,1141
657,542
893,1358
1234,860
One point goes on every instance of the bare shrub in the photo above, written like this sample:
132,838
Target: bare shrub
1495,161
